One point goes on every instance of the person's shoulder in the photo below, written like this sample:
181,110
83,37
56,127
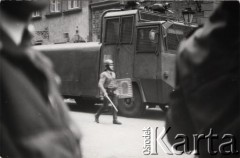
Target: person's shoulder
104,74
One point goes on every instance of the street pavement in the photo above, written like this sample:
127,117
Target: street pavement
107,140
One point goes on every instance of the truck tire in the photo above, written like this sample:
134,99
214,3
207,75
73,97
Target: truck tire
132,107
84,103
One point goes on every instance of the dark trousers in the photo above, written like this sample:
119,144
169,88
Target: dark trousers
113,97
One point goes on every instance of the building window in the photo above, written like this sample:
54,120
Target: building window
55,6
73,4
36,14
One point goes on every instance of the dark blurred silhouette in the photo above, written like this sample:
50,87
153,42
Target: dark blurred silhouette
207,85
34,119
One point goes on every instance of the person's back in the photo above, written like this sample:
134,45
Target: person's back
34,119
206,99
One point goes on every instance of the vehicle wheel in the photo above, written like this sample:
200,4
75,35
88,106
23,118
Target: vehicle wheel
132,107
84,103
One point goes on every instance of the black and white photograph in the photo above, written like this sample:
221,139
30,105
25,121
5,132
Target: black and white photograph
119,79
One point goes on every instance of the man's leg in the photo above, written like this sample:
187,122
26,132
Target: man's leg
101,109
115,101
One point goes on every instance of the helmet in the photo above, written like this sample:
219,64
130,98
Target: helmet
108,62
108,65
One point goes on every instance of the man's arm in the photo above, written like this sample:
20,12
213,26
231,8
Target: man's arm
101,83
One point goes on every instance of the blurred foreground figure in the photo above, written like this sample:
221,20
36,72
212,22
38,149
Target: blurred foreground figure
206,99
34,120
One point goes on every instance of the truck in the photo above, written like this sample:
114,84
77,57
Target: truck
143,46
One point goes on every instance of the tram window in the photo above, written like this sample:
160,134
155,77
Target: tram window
112,31
144,41
173,39
127,30
175,34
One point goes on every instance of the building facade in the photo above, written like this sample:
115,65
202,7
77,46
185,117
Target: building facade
67,20
61,21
